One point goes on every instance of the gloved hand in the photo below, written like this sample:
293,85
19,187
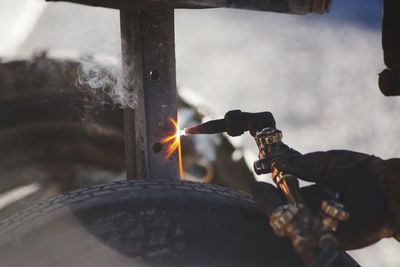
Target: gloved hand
368,186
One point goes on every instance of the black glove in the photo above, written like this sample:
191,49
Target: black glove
364,183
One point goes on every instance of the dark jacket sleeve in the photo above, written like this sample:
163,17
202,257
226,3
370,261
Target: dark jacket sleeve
388,173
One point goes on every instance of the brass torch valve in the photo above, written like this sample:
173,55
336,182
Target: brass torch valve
334,212
270,145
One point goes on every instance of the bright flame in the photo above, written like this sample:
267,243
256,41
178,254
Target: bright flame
174,143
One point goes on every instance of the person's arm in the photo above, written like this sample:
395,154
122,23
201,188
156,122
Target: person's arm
388,173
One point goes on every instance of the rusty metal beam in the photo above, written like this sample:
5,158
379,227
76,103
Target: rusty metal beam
148,55
281,6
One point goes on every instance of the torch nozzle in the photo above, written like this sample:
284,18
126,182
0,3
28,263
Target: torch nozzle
209,127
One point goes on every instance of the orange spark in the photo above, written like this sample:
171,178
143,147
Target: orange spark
174,143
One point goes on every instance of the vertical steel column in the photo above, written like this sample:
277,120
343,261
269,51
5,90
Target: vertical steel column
148,59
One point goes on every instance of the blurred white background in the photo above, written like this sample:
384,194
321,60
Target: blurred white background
317,74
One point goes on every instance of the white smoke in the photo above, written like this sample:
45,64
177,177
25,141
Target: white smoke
107,79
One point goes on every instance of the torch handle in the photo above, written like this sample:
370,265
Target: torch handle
289,186
295,220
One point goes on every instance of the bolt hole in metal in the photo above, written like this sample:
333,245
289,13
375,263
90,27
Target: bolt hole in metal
154,75
157,147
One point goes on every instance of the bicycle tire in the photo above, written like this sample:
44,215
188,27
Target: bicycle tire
144,223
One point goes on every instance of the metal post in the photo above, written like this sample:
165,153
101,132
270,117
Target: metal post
148,58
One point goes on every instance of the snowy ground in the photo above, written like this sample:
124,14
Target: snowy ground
317,74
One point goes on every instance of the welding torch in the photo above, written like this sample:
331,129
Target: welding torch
311,234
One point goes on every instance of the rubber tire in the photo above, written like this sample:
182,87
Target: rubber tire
144,223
